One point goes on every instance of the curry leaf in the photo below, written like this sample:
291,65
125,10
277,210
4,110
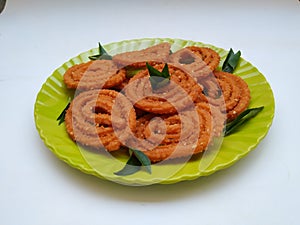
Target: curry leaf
231,61
241,119
132,166
131,71
136,161
101,55
61,117
145,161
158,79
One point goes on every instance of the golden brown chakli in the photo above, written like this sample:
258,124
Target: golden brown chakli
180,119
95,74
89,118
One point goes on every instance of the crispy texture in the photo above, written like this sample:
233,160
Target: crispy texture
190,62
164,137
199,62
178,120
179,94
159,52
208,55
130,71
218,118
90,121
94,75
227,91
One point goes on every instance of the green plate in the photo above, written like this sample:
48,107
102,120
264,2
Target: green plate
54,96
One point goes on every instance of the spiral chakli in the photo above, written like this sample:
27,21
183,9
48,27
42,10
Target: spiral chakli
89,118
218,118
199,62
95,74
163,137
117,105
229,89
208,55
177,95
130,71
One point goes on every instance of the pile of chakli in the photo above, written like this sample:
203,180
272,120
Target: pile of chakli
117,106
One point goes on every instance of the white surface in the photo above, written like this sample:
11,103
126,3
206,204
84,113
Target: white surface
36,188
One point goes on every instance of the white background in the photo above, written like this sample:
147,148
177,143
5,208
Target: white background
36,188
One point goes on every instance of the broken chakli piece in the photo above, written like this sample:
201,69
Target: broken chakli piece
159,105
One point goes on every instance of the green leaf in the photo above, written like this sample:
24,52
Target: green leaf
131,71
136,161
231,61
225,64
241,119
61,117
132,166
165,72
158,79
102,54
145,161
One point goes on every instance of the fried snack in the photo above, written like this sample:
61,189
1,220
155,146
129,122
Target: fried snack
199,62
177,95
95,74
190,62
217,116
159,52
89,118
174,136
122,72
227,89
177,120
130,71
208,55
